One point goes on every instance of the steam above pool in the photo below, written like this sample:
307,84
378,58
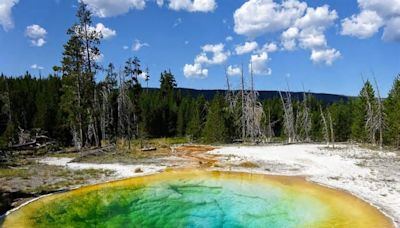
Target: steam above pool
192,198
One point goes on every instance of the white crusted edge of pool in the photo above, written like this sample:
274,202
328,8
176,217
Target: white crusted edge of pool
121,170
332,168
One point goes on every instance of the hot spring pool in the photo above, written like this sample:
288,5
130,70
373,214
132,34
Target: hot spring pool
193,198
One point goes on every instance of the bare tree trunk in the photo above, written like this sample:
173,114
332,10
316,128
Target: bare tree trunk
269,131
304,123
288,117
325,126
122,114
253,101
331,129
380,116
80,124
125,110
228,85
371,123
94,113
104,113
242,116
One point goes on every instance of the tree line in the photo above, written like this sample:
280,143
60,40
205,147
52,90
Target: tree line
121,111
71,106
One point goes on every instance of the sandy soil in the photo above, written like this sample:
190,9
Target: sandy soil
370,175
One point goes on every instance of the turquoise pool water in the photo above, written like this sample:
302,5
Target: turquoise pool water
183,199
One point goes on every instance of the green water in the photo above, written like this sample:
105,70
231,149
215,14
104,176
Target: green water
186,202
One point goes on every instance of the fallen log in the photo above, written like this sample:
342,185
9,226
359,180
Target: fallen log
148,149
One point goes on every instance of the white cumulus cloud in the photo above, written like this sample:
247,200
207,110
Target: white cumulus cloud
308,30
257,17
35,31
300,25
193,5
258,64
326,56
246,48
392,30
106,32
268,47
39,42
195,70
363,25
36,34
385,8
107,8
6,20
312,39
233,70
218,54
319,18
374,15
289,37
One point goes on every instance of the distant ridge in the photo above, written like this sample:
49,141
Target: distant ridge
263,94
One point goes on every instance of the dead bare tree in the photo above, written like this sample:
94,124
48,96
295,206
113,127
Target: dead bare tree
269,132
331,129
78,142
303,120
92,134
232,98
106,114
124,110
325,128
253,116
371,123
253,111
288,116
379,119
230,94
246,111
243,120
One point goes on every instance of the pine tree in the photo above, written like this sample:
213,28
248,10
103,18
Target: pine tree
364,108
303,119
108,95
342,120
392,107
132,71
197,118
167,83
183,116
5,112
78,71
215,129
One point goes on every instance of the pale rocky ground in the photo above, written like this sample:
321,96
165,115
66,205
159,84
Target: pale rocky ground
371,175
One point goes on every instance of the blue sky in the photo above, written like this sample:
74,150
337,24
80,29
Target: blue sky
324,46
